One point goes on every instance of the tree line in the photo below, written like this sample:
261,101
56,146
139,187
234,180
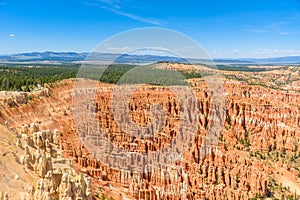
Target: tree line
27,77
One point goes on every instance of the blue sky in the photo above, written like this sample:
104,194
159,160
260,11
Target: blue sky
225,28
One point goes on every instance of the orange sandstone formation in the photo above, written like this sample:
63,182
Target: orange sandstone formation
256,148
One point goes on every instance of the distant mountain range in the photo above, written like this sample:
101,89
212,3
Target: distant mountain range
44,56
286,59
276,60
63,57
77,57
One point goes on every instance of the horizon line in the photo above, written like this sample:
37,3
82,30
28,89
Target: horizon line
114,53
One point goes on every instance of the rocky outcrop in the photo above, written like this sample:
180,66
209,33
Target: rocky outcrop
259,123
219,174
57,178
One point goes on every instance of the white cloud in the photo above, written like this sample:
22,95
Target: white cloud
274,52
277,28
158,51
11,35
120,48
135,17
289,32
115,7
255,53
114,3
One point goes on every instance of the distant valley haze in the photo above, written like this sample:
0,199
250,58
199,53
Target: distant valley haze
74,57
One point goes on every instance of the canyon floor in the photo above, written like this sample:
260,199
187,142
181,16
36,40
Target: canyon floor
256,155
